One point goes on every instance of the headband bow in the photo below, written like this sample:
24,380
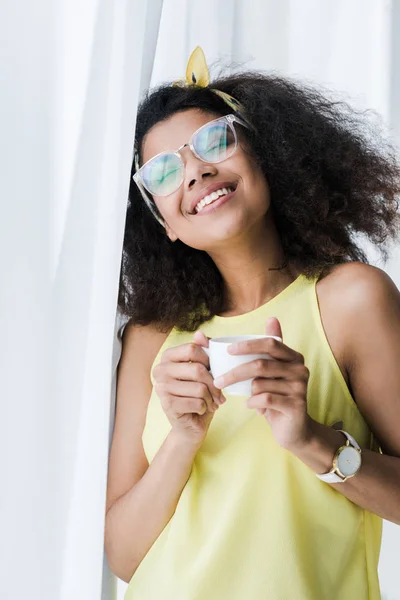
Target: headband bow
197,74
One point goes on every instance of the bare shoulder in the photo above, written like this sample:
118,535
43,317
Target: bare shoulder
347,291
146,337
355,284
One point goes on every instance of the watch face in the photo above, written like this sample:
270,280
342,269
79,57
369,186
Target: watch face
349,461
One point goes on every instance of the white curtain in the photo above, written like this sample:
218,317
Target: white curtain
107,62
71,74
28,441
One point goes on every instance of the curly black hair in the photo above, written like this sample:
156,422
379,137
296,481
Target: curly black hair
331,174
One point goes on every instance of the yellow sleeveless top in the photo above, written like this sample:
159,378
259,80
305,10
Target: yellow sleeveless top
253,522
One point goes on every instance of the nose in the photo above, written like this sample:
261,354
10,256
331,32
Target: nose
195,169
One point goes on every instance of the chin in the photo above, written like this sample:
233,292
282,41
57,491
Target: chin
219,230
224,232
236,224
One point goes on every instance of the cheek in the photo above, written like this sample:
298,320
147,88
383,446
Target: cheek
256,186
264,188
251,175
169,206
260,182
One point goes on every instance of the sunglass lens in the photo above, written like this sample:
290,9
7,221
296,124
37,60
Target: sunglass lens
215,142
163,174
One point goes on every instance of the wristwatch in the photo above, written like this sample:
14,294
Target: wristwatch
346,462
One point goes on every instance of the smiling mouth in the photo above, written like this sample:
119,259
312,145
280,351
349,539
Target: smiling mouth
213,197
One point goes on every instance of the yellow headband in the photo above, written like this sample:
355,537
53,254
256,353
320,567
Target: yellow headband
197,74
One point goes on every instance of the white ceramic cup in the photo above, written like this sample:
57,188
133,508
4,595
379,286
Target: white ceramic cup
221,361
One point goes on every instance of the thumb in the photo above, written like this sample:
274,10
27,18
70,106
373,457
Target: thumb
200,339
273,327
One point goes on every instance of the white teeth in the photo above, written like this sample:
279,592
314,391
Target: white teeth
211,197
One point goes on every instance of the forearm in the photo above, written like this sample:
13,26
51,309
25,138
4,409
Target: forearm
376,487
137,518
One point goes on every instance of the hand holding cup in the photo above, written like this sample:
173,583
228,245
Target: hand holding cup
186,389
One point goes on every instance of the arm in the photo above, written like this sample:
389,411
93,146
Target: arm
137,518
367,310
371,316
137,511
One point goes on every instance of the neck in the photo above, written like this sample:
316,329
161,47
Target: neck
253,269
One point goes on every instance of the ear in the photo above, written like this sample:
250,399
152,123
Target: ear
170,233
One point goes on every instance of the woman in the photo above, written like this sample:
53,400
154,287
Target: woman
247,197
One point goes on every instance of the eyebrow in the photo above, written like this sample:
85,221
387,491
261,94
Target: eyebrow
174,151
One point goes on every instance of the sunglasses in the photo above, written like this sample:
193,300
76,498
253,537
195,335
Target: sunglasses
164,173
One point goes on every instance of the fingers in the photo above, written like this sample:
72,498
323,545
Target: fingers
181,406
270,346
185,353
263,368
196,372
201,339
271,386
195,390
283,404
273,327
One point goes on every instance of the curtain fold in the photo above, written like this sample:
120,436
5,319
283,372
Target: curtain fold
29,450
119,56
71,76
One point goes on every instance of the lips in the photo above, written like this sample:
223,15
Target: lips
215,204
209,190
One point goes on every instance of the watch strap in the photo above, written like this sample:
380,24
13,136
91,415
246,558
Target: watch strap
351,439
330,477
